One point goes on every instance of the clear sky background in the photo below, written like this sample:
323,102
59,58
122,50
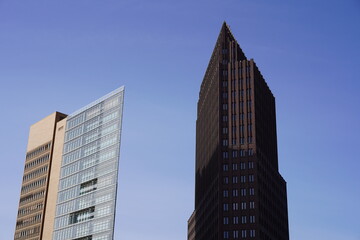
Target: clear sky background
59,55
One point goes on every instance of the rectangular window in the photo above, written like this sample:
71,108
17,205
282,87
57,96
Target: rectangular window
226,220
235,179
243,219
235,206
88,186
226,207
243,179
234,166
252,191
226,193
236,234
225,167
252,219
242,166
82,215
235,220
243,192
251,165
243,233
250,152
235,193
251,178
252,205
243,205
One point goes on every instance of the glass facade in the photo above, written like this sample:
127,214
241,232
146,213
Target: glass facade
88,180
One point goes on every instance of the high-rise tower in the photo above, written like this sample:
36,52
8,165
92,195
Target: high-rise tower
70,176
239,192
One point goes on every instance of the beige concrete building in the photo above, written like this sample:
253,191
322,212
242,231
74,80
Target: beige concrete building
70,174
35,186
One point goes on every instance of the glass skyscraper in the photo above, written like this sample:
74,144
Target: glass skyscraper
88,177
82,181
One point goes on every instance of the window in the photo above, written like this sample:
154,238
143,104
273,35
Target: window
250,152
234,133
243,205
226,234
226,193
225,142
225,130
235,206
235,179
233,107
243,233
252,191
234,153
226,207
225,118
249,116
225,106
243,192
226,180
233,117
252,219
235,220
85,238
225,167
252,233
225,155
242,166
234,166
236,234
82,215
88,186
251,165
243,179
249,105
235,193
251,178
252,205
243,219
226,220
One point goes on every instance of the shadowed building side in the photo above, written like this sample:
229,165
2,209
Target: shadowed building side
239,192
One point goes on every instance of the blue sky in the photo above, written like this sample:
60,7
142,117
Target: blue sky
61,55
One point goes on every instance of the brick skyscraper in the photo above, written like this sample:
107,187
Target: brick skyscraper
239,192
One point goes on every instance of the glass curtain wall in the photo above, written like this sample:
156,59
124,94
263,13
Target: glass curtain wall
89,171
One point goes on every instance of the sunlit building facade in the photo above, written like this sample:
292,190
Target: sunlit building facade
80,197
